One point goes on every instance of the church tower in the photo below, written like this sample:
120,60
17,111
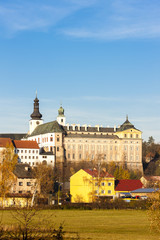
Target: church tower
61,119
35,116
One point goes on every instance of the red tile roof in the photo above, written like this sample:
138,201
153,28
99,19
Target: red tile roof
5,141
26,144
128,185
94,173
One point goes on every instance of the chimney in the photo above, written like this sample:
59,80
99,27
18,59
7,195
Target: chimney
78,125
97,126
73,126
67,126
85,127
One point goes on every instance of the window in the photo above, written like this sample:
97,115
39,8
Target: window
57,139
21,157
21,151
130,135
20,183
96,191
109,184
136,135
73,156
25,151
20,191
25,157
51,139
29,151
36,151
68,155
33,163
109,191
29,157
103,191
103,184
28,183
33,157
58,149
33,151
79,156
96,183
137,157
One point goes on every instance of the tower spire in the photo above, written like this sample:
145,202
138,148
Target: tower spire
36,115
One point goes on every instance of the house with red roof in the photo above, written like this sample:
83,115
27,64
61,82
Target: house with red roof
126,186
29,153
87,185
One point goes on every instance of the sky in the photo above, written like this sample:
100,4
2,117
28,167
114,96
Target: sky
100,59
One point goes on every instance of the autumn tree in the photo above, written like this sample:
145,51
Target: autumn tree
8,161
154,212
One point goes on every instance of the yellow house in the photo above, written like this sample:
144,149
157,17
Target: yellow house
87,185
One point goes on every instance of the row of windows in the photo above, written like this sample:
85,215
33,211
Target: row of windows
131,148
99,147
33,163
29,157
103,192
103,184
131,135
46,139
28,151
115,157
28,183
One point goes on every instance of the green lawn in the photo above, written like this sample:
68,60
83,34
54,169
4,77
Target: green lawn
97,224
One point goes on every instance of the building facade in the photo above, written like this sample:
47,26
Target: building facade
74,143
88,185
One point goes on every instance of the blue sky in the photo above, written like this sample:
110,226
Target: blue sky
100,58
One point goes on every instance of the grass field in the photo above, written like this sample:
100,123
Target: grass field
97,224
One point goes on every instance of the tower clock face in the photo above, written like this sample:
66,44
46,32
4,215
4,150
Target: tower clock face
37,122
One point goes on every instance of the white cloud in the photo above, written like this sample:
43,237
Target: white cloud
39,15
121,19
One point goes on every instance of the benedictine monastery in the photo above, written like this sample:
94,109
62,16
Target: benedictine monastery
57,141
